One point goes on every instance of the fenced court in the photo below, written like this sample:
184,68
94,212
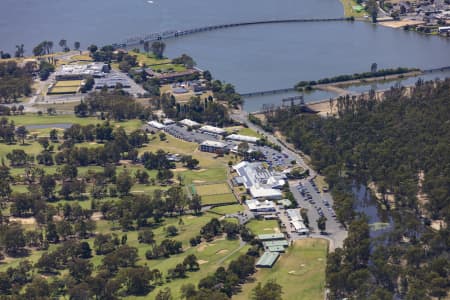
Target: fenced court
216,193
65,87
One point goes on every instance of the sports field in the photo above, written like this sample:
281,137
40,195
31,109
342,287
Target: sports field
215,193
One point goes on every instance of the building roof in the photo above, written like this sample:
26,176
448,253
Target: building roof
95,68
189,123
260,205
283,243
294,214
255,174
242,138
156,124
267,259
271,237
284,202
276,249
176,74
213,129
168,121
269,193
213,144
299,226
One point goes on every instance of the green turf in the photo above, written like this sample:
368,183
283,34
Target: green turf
218,199
300,271
228,209
263,226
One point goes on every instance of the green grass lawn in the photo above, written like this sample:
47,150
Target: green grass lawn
249,132
228,209
212,189
300,271
348,9
263,226
218,199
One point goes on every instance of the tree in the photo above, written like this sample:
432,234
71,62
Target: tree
195,203
146,236
19,50
14,239
21,133
76,45
188,291
80,269
373,67
63,44
147,46
270,291
164,294
48,185
37,289
124,182
171,230
322,223
93,48
191,261
158,49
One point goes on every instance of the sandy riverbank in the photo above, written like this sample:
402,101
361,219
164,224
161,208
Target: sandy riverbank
399,24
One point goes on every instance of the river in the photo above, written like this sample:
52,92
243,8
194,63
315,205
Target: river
253,58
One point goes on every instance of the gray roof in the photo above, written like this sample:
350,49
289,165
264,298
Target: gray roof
268,259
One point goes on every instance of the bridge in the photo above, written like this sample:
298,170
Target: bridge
137,40
269,92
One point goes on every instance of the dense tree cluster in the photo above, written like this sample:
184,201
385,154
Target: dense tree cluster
226,92
389,143
15,81
116,105
203,111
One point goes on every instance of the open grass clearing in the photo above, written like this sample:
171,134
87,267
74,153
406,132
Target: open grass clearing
249,132
218,199
228,209
63,90
263,226
300,271
62,83
212,189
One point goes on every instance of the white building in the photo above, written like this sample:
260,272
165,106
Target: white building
300,227
168,121
242,138
78,71
259,181
156,124
255,205
212,129
189,123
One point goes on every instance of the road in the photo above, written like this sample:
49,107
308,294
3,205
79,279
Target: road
336,233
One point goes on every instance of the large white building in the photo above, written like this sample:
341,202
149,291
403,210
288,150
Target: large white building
260,206
259,181
78,71
213,130
189,123
242,138
296,221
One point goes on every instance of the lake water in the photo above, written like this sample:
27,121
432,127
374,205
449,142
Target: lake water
253,58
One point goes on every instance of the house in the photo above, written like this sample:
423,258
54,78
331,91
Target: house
213,147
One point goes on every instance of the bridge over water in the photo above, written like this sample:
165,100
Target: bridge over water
176,33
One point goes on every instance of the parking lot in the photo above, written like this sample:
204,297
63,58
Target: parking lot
317,203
